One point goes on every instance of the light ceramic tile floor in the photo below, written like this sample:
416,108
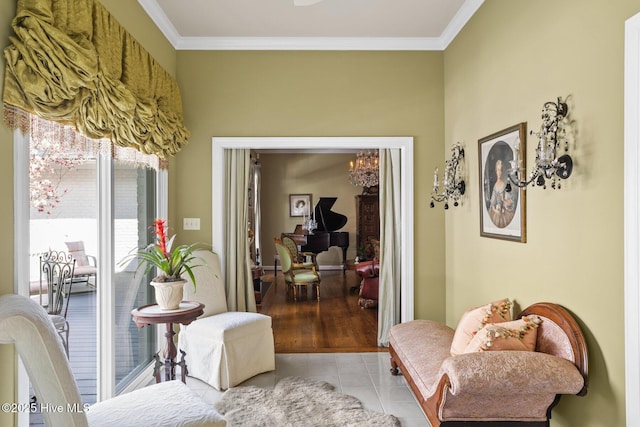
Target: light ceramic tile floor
362,375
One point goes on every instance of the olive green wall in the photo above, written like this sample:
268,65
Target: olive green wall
513,56
137,22
316,94
321,175
7,358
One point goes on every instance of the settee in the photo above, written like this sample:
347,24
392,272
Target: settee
492,388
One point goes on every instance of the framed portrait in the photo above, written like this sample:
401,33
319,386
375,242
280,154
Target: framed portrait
502,203
299,204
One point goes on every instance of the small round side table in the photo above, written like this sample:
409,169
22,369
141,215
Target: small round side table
186,313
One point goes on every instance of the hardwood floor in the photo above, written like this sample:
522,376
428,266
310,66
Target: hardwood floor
336,324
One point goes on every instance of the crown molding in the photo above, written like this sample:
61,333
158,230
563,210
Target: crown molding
308,43
161,20
467,10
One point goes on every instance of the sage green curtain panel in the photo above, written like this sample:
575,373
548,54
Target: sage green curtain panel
390,214
71,62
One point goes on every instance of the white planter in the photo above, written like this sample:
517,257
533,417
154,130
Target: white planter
169,294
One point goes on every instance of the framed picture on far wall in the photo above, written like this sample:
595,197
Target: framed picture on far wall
299,204
502,203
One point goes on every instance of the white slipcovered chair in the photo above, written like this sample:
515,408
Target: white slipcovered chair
223,348
26,324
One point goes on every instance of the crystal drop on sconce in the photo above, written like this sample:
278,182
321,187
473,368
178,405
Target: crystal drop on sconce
453,185
552,138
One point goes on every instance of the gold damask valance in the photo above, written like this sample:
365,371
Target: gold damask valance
71,62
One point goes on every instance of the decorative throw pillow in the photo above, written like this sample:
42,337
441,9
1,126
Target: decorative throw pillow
518,335
475,319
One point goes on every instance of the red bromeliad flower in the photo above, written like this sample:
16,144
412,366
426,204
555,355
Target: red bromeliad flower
161,255
161,233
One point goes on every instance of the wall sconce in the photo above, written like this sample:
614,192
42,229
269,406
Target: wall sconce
552,135
452,183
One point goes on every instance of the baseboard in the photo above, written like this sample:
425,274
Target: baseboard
494,424
321,267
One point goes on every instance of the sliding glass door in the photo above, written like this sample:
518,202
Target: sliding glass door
63,212
134,213
65,198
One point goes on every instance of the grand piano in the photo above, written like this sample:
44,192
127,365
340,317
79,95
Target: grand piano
326,235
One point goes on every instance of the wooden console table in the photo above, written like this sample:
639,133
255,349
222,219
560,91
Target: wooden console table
186,313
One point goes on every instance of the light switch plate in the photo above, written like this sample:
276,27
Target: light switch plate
191,224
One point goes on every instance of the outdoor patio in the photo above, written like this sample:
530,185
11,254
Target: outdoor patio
82,342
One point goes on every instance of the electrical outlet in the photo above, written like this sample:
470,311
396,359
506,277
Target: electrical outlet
191,224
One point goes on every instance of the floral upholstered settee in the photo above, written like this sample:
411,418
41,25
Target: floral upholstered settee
498,372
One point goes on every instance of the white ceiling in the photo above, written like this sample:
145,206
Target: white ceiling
326,25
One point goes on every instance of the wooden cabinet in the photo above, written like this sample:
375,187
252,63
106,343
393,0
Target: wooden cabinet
367,220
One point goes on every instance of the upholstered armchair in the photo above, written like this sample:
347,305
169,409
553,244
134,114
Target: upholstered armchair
296,274
223,348
369,271
298,257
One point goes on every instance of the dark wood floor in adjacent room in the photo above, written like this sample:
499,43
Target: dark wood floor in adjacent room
336,324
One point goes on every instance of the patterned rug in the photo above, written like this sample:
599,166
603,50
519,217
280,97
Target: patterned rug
298,402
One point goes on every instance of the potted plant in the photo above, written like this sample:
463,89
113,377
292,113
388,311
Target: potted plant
171,262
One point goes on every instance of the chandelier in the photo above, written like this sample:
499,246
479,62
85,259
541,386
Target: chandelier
452,183
364,173
552,137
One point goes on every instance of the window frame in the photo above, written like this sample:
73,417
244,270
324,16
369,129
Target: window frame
106,387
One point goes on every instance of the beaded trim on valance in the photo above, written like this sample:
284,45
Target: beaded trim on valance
41,130
72,63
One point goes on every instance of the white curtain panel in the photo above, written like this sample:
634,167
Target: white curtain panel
257,177
390,279
238,279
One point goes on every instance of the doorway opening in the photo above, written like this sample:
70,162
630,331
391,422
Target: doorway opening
404,187
632,216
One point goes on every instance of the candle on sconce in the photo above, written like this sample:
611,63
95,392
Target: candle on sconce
453,186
